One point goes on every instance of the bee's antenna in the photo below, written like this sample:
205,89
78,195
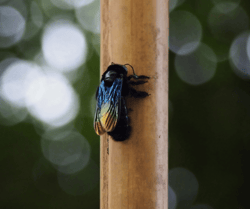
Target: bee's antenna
131,67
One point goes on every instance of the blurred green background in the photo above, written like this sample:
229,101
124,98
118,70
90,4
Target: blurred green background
49,72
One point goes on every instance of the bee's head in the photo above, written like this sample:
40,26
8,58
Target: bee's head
114,71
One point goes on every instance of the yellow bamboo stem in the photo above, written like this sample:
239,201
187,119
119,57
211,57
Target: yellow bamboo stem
134,174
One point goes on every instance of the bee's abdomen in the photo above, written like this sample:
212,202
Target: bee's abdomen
123,129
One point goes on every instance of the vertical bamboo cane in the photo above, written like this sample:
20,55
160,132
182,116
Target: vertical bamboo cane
135,173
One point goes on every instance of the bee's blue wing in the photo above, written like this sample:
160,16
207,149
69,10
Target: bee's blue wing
107,107
97,123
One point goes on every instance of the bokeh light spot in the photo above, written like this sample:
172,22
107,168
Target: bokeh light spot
180,2
14,81
185,186
171,198
172,5
225,26
51,99
34,24
36,14
70,4
11,115
12,26
89,16
198,67
81,182
248,47
226,5
239,55
64,46
69,151
20,6
185,32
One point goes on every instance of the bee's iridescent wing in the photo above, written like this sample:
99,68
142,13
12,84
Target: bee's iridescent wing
107,107
97,123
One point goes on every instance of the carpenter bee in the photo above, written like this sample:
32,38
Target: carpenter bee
111,113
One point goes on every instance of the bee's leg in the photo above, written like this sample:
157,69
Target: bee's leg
133,83
137,94
138,77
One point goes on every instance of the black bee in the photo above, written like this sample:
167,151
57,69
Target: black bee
111,113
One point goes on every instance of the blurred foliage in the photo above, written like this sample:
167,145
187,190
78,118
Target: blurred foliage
209,124
21,153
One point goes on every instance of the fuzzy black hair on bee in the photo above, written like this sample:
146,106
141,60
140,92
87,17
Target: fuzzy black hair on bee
111,113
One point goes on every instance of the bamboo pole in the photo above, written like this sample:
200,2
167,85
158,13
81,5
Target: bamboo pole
135,172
